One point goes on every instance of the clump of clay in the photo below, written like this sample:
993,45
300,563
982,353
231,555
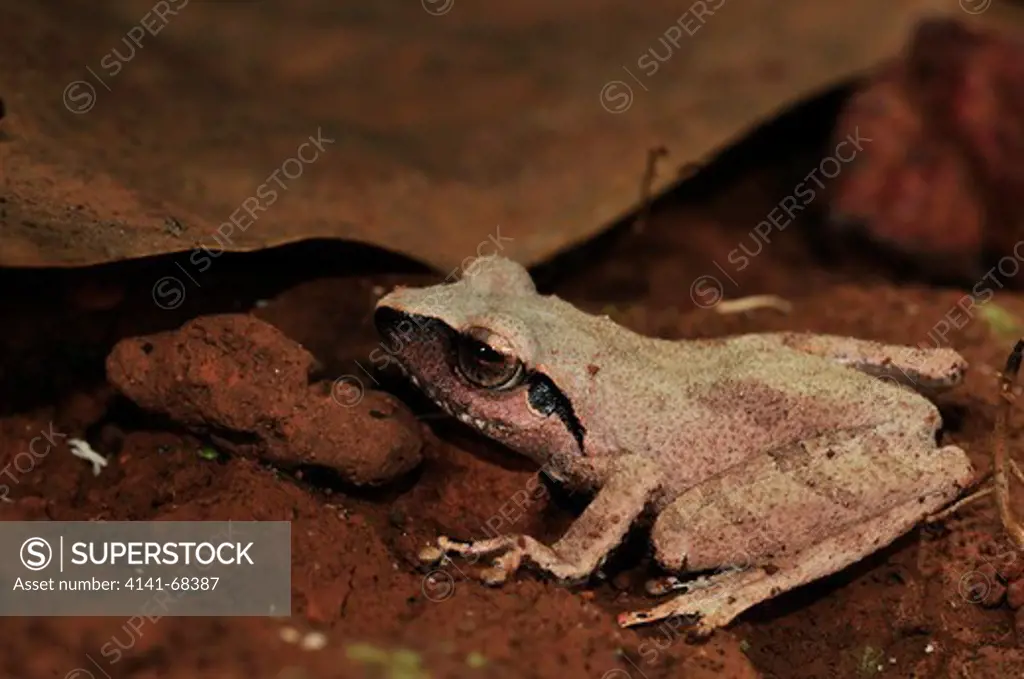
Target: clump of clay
244,384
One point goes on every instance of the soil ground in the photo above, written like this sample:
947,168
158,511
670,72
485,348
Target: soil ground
912,610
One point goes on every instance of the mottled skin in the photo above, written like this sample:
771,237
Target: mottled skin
770,459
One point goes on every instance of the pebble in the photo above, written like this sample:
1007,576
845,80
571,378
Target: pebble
314,641
311,641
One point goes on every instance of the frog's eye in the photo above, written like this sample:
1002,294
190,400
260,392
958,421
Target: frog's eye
483,363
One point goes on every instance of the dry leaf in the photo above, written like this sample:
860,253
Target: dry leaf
454,126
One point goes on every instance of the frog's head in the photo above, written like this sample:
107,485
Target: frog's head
482,348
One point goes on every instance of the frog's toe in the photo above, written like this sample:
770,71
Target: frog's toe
502,567
477,547
700,624
431,554
663,585
508,548
508,552
709,602
493,576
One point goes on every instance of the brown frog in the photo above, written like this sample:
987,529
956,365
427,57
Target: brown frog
767,460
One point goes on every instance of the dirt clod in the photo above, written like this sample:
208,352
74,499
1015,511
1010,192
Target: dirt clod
241,382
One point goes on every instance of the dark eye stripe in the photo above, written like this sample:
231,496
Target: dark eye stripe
547,399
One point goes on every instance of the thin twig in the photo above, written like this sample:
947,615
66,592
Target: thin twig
999,478
743,304
957,506
647,187
989,488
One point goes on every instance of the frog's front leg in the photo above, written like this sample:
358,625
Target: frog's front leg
628,488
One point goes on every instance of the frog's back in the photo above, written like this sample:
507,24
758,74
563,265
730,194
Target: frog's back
763,359
745,395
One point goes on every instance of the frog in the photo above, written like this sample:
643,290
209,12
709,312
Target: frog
759,462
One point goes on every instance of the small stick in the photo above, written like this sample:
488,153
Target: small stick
646,187
976,495
1000,481
744,304
956,506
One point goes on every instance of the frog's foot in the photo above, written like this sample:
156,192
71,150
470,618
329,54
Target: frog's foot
510,551
585,546
717,600
711,601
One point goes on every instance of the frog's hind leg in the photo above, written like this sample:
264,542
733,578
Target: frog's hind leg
800,512
919,368
716,600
